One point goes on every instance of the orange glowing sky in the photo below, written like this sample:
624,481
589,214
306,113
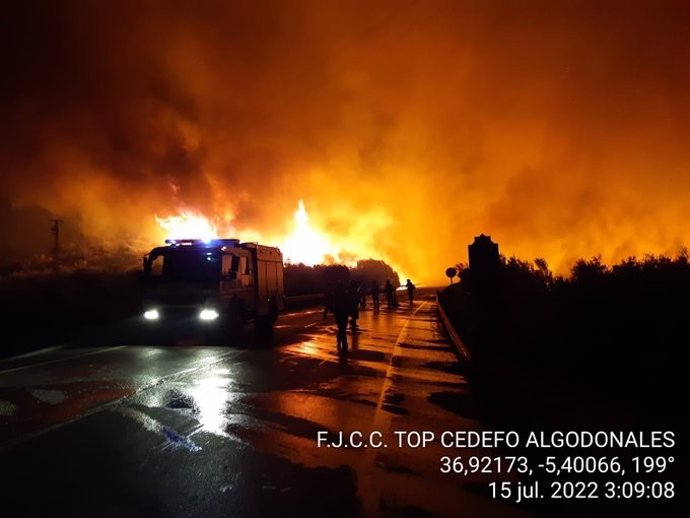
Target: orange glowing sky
406,127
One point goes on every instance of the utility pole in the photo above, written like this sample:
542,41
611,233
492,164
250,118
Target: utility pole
55,229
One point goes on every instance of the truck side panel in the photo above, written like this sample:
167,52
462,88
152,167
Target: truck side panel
262,288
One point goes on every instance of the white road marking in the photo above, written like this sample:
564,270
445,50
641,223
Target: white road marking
31,366
35,353
302,313
369,487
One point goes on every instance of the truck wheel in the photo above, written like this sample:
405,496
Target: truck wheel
264,324
233,319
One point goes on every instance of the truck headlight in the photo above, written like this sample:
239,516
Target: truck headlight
208,314
151,314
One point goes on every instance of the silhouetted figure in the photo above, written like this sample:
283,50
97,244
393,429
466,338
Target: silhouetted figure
410,290
375,294
390,294
341,306
354,305
327,302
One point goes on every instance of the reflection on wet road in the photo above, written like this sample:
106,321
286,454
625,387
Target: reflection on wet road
232,430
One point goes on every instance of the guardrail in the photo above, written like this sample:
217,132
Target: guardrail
452,333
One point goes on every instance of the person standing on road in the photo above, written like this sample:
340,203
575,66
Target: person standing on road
410,290
327,302
341,306
375,294
390,293
354,305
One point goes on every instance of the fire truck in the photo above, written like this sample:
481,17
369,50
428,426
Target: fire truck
218,283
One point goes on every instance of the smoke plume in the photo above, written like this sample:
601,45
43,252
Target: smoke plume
407,127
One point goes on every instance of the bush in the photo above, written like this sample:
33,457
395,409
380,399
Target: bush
611,330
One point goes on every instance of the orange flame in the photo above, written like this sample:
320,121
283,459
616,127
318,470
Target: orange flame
188,225
304,243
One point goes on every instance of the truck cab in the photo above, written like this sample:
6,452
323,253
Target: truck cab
220,282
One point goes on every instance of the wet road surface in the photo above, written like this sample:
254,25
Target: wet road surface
190,430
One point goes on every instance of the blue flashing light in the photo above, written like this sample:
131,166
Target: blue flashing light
203,242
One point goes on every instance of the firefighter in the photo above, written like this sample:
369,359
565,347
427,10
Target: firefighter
375,294
341,306
390,294
327,302
410,290
354,304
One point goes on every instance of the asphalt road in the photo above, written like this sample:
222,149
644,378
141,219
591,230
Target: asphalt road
105,428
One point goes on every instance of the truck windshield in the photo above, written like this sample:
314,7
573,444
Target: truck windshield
182,264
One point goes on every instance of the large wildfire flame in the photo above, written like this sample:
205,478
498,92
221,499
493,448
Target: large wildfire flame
188,225
304,243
